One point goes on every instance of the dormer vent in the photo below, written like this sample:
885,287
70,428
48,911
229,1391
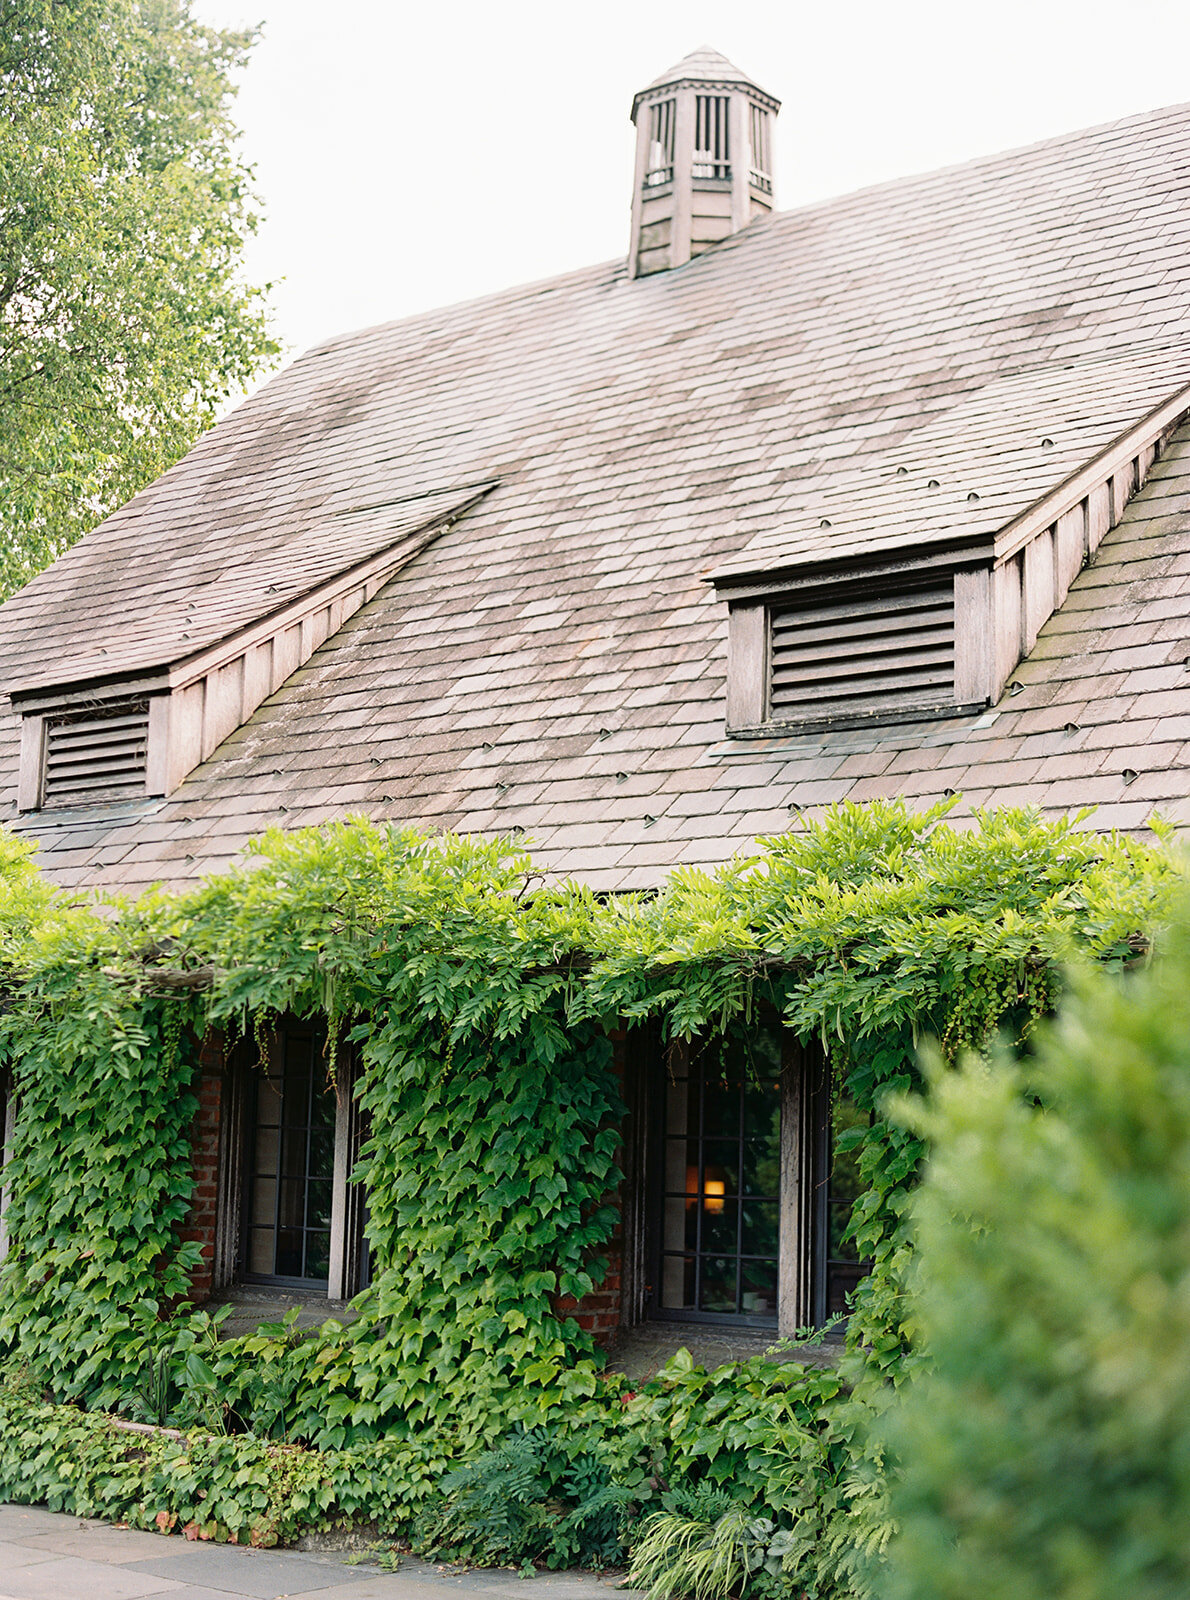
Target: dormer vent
704,164
856,653
96,755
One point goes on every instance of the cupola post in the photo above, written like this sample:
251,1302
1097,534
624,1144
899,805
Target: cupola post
704,165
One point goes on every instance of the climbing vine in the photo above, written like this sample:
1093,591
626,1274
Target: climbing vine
479,1001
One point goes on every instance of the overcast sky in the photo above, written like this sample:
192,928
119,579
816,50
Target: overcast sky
414,155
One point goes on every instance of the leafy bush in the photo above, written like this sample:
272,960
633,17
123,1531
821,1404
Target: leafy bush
1045,1447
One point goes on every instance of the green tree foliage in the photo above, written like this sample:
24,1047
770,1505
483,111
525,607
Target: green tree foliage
123,211
1045,1445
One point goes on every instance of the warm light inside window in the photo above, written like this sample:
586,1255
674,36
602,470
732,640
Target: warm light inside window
713,1191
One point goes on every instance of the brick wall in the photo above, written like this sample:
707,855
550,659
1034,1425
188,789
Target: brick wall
200,1221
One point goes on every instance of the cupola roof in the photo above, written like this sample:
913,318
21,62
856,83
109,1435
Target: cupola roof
703,65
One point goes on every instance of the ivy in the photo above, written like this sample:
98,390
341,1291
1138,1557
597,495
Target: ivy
479,999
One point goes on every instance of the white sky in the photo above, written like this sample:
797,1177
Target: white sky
411,155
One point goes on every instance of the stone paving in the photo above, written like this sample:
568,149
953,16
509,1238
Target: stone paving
48,1555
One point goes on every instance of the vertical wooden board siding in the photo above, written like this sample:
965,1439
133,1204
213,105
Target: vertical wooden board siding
184,737
157,753
747,666
679,250
32,765
315,629
1144,461
239,1080
1006,607
287,653
1071,546
740,145
258,675
1037,588
222,710
974,631
1098,516
1123,486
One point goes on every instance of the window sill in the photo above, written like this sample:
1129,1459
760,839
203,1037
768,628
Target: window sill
641,1351
253,1304
871,719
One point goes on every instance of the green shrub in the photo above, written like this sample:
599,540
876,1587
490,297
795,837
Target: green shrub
1045,1446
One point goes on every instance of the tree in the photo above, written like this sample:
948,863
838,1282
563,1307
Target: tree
1044,1444
123,211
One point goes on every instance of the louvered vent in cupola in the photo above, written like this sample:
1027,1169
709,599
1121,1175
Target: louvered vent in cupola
856,653
97,754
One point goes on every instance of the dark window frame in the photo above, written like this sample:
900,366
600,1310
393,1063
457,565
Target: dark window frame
804,1195
658,1195
350,1266
279,1046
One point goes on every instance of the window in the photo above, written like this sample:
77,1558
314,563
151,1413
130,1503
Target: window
289,1213
720,1175
711,157
760,174
839,1188
660,168
290,1166
737,1194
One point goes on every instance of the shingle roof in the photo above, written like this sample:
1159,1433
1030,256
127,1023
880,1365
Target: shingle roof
154,586
555,661
705,64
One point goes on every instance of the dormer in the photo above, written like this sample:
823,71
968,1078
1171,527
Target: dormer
135,698
914,589
704,163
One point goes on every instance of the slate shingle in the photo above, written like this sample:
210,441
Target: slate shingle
643,434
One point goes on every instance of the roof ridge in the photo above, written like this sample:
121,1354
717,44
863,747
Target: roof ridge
615,266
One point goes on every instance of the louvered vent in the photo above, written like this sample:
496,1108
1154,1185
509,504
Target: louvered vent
96,755
858,652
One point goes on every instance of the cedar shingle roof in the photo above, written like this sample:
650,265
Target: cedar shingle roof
555,661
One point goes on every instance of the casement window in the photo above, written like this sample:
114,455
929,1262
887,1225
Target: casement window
737,1197
290,1216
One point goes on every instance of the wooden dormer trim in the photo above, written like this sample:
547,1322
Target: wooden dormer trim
1005,589
197,702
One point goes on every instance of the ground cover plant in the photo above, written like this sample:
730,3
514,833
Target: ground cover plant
480,1001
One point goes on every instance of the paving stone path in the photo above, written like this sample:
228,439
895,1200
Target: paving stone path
47,1555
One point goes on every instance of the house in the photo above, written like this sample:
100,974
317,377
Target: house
883,496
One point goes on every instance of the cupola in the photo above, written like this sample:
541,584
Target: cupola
704,165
